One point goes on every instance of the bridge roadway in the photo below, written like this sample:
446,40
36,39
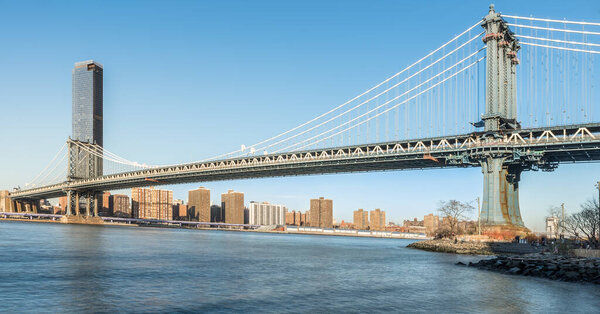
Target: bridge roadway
550,146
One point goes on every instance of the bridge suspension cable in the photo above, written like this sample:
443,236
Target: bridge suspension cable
100,152
47,166
58,171
557,81
560,41
376,98
554,29
401,81
549,20
374,87
385,91
559,48
378,114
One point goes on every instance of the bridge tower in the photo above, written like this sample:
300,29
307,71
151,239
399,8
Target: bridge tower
501,168
501,71
84,162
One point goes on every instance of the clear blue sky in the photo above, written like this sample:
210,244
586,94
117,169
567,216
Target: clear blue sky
185,80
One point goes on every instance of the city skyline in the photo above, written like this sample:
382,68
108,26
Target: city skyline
347,190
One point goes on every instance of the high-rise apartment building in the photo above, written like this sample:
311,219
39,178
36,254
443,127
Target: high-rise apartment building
296,218
119,205
106,209
266,214
5,202
56,210
361,219
289,218
180,212
62,202
216,213
431,223
377,221
232,207
150,203
321,213
199,204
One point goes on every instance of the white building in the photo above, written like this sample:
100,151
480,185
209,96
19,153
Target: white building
266,214
551,226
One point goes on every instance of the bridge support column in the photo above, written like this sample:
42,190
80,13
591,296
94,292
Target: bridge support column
97,198
88,204
27,207
501,193
18,206
77,209
69,203
35,206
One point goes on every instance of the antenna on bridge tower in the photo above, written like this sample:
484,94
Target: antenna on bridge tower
501,62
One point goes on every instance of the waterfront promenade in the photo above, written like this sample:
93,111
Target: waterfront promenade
117,221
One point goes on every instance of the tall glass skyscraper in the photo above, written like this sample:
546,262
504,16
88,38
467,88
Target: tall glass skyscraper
87,120
87,102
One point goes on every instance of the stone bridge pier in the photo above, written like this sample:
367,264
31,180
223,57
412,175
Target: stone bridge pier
500,203
91,201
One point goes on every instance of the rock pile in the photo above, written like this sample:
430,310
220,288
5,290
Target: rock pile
448,246
553,267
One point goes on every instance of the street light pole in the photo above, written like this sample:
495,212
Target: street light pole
598,186
562,220
479,216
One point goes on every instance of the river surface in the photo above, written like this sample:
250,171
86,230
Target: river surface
47,267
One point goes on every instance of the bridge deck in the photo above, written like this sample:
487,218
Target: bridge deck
577,143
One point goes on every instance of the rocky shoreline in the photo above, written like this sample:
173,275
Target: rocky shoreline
555,267
448,246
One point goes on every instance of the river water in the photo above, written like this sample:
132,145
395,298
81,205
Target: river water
73,268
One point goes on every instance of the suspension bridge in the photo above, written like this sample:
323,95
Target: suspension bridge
509,94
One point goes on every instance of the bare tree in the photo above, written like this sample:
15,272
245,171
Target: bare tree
454,211
585,224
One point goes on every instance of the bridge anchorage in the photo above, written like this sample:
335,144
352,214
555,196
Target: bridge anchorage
438,98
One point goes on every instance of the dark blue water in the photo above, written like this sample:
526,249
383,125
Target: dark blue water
69,268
